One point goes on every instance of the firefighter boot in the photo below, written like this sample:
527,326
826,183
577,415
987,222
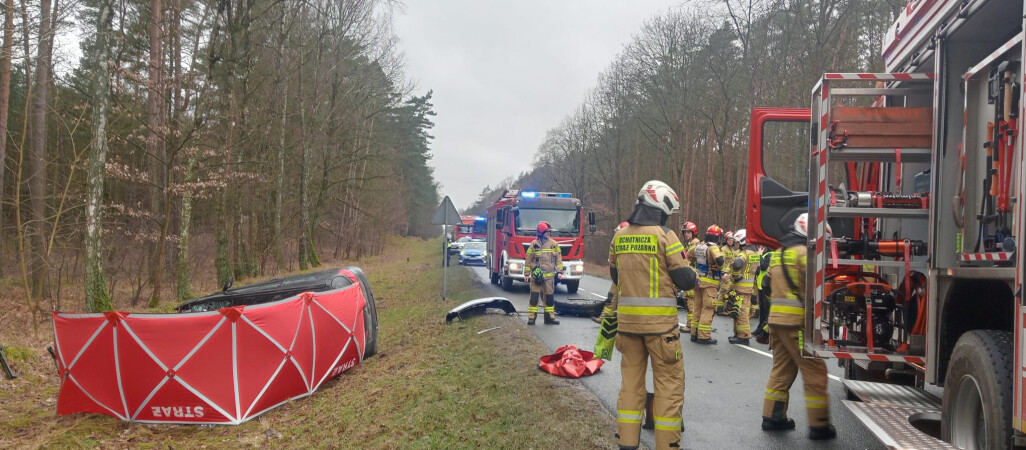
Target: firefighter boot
530,319
694,337
737,340
550,310
709,341
532,308
779,424
550,319
822,432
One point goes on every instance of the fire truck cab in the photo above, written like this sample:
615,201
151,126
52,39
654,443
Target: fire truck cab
511,224
919,173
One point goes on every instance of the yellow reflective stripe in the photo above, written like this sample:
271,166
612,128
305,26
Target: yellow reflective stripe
787,310
647,301
648,310
667,423
549,309
776,395
532,309
705,327
710,280
628,416
675,248
816,402
745,283
653,277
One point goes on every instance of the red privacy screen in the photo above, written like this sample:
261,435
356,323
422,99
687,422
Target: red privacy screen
224,366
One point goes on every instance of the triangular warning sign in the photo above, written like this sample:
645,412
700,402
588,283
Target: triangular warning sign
446,214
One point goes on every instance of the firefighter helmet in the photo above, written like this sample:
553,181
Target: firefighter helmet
741,236
543,226
728,235
801,226
689,226
660,195
713,230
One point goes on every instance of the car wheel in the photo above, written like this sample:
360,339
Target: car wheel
582,307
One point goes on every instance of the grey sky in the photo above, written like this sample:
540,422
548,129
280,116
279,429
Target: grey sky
503,73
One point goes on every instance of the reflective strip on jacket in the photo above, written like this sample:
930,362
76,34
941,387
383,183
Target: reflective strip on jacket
787,304
643,256
546,256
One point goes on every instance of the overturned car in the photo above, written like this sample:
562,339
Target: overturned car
225,358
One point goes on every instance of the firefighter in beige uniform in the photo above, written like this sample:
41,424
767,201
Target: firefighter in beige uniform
543,263
729,251
688,232
708,260
786,278
645,261
742,275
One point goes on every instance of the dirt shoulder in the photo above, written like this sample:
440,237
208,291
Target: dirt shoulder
432,384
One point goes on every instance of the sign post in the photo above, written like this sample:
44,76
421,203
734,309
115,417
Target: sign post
446,214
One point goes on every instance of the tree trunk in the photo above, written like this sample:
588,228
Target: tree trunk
37,158
5,99
156,146
97,297
304,185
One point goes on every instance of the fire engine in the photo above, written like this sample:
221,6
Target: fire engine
473,226
511,224
918,171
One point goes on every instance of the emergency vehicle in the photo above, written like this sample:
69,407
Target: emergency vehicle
512,223
473,226
919,173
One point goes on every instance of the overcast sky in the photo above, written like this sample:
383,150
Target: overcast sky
503,73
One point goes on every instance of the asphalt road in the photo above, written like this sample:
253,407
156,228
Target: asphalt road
724,383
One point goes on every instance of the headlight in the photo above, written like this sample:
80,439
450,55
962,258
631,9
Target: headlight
514,266
577,269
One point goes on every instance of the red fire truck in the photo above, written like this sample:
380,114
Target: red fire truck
919,173
511,224
473,226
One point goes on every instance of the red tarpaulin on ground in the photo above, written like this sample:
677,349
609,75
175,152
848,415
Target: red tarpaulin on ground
224,366
570,361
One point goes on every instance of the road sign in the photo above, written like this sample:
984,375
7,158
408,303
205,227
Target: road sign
446,214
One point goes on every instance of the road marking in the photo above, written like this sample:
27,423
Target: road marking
770,355
599,296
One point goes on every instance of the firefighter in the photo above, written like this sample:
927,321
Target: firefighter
688,232
727,248
707,259
761,333
742,274
786,319
646,263
543,264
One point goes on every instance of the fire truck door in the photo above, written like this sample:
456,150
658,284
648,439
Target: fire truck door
778,165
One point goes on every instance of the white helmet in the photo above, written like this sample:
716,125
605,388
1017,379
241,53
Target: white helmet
740,236
801,226
660,195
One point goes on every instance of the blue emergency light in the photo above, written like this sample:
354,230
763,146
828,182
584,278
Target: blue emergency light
528,194
563,195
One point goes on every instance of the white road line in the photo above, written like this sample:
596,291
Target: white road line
770,355
598,295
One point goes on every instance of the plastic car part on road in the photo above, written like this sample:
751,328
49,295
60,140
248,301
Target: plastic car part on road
478,307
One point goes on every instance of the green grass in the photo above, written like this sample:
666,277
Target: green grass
431,385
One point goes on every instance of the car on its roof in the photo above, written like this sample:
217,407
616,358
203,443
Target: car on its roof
286,287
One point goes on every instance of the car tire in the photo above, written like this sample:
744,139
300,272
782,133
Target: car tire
507,284
581,307
572,286
977,404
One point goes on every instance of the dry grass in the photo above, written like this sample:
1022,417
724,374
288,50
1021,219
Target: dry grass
431,385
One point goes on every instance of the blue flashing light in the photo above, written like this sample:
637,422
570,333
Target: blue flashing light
563,195
528,194
479,218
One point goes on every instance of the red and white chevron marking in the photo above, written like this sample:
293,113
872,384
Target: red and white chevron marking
993,256
871,357
879,76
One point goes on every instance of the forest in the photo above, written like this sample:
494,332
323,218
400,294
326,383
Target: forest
186,138
674,105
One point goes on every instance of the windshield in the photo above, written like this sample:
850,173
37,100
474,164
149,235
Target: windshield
463,229
480,227
474,245
564,222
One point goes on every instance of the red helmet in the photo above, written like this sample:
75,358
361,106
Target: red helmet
714,230
689,226
728,235
543,226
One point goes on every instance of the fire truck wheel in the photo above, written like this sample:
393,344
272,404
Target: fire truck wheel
572,285
507,284
977,409
583,307
495,278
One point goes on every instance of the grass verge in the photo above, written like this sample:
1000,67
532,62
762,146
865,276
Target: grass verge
431,385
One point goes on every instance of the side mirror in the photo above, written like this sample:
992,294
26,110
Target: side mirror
591,229
591,220
227,284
